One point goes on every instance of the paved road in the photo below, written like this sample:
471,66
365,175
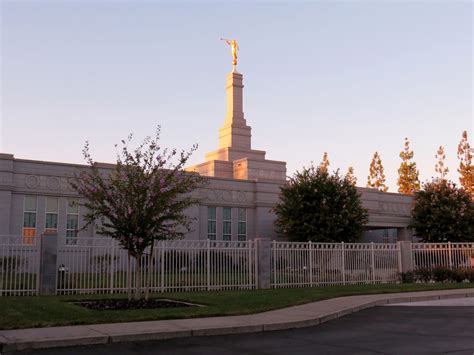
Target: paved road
425,328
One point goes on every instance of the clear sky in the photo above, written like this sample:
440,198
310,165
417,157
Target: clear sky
348,78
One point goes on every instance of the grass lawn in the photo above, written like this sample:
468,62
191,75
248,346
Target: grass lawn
48,311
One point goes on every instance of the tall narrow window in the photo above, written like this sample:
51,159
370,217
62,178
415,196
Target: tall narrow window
72,221
29,219
52,210
242,225
211,223
226,223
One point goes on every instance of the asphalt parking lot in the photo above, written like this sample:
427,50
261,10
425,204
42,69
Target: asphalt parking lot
433,327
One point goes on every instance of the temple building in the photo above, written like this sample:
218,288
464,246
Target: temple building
236,204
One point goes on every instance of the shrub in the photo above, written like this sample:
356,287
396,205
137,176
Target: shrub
319,207
443,213
438,274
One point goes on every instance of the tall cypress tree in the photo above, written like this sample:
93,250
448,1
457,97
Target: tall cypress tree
325,163
466,169
408,176
376,178
440,166
350,177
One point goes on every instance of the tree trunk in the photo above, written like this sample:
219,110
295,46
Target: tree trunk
148,272
138,277
129,277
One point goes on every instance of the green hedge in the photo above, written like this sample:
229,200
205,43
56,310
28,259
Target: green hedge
438,274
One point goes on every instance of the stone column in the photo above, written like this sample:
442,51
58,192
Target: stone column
263,262
6,187
404,234
48,264
406,258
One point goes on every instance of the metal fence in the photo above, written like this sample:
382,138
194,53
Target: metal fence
317,264
19,266
451,255
99,265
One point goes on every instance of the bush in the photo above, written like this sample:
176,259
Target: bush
438,274
407,277
319,207
443,213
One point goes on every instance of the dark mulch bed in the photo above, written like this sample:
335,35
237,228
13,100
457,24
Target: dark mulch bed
117,304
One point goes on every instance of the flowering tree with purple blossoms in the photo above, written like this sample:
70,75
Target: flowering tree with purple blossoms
141,200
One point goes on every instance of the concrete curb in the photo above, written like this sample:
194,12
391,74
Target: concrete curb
306,315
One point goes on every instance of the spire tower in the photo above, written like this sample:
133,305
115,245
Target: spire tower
235,133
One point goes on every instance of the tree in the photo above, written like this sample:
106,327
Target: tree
408,180
316,206
141,200
440,165
376,178
443,213
350,176
324,165
466,169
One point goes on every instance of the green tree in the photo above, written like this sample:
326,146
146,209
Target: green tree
316,206
408,180
141,200
376,178
440,166
466,169
443,213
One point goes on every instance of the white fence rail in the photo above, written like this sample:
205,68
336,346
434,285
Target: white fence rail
317,264
99,265
451,255
19,266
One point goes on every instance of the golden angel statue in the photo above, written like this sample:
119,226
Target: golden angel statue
234,48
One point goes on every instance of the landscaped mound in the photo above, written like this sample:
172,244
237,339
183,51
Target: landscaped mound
120,304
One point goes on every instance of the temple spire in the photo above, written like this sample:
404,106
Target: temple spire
235,133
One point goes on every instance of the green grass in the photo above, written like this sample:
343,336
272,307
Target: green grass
47,311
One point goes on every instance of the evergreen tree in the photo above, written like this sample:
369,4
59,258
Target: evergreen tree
325,163
443,213
408,181
350,177
376,178
466,169
319,207
440,166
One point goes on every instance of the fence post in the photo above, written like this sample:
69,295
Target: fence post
208,264
112,260
273,253
263,263
343,264
48,278
250,259
162,266
450,255
372,261
310,249
406,257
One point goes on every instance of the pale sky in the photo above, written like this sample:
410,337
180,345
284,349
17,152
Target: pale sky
348,78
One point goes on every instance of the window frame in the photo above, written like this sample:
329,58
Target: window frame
49,229
212,236
72,240
241,237
227,222
29,233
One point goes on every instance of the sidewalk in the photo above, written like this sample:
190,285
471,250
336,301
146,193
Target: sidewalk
293,317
